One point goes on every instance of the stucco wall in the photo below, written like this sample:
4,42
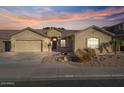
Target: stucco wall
29,35
69,44
53,33
1,45
81,38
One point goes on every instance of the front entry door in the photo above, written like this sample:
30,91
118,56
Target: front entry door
54,43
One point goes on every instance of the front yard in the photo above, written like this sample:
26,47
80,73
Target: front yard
43,66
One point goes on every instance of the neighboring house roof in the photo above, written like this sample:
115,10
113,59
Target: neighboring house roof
117,29
119,33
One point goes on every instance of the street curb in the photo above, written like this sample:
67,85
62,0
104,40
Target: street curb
65,77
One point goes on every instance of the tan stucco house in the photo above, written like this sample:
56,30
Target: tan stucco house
40,40
26,40
91,37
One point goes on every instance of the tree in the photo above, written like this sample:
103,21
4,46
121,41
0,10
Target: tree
48,28
117,43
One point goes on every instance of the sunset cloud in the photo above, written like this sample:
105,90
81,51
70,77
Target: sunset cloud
9,25
47,14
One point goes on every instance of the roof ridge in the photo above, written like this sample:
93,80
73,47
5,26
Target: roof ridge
31,29
94,26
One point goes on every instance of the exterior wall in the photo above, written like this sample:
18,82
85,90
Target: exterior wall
1,46
29,35
54,33
69,44
81,38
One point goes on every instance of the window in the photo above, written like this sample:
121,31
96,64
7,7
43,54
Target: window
62,43
93,43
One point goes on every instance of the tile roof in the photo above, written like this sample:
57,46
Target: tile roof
69,32
97,28
6,34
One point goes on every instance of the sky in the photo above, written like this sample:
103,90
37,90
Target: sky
68,17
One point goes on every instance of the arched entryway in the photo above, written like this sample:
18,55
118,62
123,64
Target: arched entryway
54,43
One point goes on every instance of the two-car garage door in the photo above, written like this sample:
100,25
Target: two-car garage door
28,46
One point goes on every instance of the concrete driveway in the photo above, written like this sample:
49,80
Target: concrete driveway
18,66
42,66
22,58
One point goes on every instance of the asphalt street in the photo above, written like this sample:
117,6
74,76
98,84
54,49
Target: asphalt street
67,83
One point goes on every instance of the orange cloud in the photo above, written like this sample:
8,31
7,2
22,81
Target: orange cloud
97,14
64,16
10,25
28,20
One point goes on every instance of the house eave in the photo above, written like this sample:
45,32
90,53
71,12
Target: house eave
30,29
99,29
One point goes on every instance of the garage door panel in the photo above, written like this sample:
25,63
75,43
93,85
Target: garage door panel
28,46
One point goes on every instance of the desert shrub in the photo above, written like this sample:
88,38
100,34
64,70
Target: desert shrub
93,52
84,55
90,51
101,48
79,53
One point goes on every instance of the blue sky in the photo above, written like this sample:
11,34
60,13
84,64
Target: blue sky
78,8
69,17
